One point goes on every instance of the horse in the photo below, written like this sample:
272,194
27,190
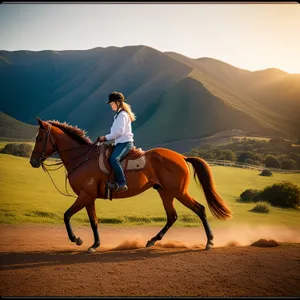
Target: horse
165,170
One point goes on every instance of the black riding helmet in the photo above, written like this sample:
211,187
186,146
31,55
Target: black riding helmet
115,96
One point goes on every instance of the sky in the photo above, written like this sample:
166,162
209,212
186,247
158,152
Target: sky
248,36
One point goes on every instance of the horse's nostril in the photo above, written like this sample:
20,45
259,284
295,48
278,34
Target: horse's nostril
34,163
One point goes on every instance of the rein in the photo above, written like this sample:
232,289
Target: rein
44,166
61,163
46,170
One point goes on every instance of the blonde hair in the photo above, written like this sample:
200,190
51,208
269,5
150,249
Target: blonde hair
127,108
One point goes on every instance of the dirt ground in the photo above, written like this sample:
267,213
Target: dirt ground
39,260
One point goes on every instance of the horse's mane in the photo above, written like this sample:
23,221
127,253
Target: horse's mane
73,131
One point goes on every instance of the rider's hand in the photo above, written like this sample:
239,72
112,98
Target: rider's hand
102,138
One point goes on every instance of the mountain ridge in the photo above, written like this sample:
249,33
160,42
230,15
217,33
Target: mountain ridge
72,86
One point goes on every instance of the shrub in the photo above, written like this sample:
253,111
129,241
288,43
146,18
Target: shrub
261,208
266,172
10,148
249,195
285,194
23,149
110,220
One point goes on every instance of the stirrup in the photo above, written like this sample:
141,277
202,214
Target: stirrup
112,186
122,188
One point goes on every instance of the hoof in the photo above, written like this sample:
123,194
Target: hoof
149,244
94,247
209,245
78,241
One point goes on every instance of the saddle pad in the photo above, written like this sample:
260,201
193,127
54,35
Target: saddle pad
127,165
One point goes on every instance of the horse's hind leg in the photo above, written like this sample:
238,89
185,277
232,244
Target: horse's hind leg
199,209
82,200
90,208
171,216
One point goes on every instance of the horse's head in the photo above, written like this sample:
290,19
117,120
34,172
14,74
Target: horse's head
44,144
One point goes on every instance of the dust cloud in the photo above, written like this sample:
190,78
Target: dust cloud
245,235
193,238
128,244
52,238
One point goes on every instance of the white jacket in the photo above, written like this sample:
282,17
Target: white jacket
121,130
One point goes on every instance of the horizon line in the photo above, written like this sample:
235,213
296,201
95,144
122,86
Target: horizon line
142,45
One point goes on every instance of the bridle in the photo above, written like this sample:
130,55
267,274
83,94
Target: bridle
43,157
48,135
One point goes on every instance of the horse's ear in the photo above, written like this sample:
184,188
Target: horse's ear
40,123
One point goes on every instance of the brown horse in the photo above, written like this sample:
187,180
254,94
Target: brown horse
165,170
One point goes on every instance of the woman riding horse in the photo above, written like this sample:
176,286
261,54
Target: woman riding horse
165,170
121,132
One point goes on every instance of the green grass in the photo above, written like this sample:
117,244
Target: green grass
27,195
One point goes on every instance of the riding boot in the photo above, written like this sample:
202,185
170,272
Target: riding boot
112,186
116,187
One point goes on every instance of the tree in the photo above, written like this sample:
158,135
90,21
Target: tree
228,155
296,158
272,162
288,164
276,141
249,154
207,155
282,157
250,161
249,147
216,153
194,152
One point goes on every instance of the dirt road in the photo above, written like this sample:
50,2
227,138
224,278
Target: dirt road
39,260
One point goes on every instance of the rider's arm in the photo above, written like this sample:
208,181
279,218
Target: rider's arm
118,127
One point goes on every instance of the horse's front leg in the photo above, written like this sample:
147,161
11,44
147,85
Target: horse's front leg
90,208
83,200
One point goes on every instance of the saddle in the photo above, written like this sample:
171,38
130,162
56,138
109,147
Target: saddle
134,160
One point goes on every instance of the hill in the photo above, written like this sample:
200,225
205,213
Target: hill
176,98
13,129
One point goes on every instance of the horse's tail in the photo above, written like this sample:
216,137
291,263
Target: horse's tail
215,203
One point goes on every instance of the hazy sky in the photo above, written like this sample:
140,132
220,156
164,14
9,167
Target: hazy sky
248,36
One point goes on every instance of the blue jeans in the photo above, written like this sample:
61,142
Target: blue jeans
120,151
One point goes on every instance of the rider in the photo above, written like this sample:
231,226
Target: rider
121,133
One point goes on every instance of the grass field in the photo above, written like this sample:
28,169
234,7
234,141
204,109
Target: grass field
27,195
